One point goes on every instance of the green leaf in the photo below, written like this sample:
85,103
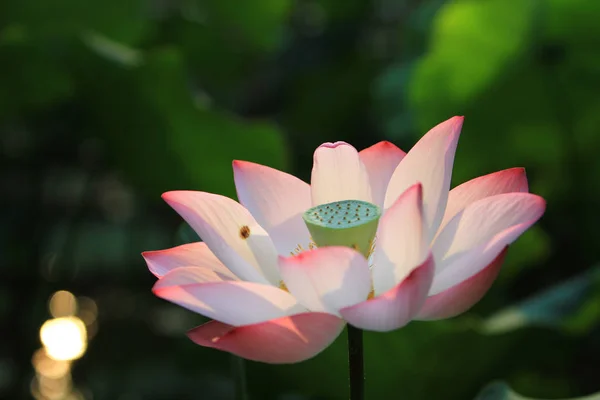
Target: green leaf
250,24
496,32
120,20
501,391
573,305
181,140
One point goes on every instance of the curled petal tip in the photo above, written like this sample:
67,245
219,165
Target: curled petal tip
333,145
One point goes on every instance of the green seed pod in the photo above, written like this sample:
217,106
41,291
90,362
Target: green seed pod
351,223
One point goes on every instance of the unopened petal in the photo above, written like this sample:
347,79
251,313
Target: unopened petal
396,307
462,297
381,161
328,278
196,254
338,174
476,235
277,201
230,232
429,162
279,341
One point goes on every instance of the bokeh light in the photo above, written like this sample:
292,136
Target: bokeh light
62,304
64,338
49,367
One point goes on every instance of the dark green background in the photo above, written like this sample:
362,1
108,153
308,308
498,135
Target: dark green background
106,104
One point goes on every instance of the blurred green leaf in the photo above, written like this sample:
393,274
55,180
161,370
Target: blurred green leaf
182,142
501,391
120,20
497,32
257,24
572,305
35,77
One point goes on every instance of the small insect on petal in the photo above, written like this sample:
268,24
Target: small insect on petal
245,232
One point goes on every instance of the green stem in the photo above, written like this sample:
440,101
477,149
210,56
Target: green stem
238,370
355,364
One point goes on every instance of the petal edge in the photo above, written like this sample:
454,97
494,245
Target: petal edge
284,340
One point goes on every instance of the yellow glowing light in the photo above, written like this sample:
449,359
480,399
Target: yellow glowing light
88,310
49,367
62,304
53,389
64,338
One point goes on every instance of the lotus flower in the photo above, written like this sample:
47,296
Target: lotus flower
277,295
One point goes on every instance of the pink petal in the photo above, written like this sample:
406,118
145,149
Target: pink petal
380,160
460,298
396,307
232,302
430,163
190,275
328,278
338,174
506,181
277,201
476,235
230,232
284,340
193,254
401,244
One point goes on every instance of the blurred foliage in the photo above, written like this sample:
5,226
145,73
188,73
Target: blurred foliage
573,305
107,104
500,391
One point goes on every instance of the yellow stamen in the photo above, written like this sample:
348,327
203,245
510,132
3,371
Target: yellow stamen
371,247
299,248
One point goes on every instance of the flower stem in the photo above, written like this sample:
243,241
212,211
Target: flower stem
355,363
238,370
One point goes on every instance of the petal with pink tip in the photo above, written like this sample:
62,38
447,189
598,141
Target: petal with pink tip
396,307
230,232
283,340
381,161
506,181
189,276
401,244
277,201
328,278
192,254
232,302
338,174
462,297
430,163
477,234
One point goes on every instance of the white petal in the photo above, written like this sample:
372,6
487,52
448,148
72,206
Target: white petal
234,303
277,201
396,307
230,232
401,244
196,254
430,163
381,161
506,181
327,279
190,275
476,235
338,174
